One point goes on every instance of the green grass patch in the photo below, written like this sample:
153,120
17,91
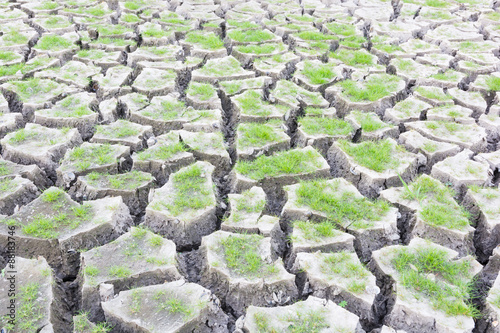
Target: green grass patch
125,181
53,43
346,266
353,57
202,91
250,36
328,126
318,73
256,135
378,156
207,41
373,88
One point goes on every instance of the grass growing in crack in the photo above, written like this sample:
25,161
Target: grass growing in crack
346,266
328,126
192,191
373,88
283,163
446,283
256,134
207,41
378,156
343,210
318,73
242,257
202,91
82,324
83,157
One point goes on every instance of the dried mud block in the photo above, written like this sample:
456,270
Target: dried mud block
278,67
469,99
410,109
410,270
467,136
241,270
339,277
254,139
202,96
35,307
280,169
10,122
114,81
81,324
203,44
54,226
412,71
133,187
100,58
372,128
137,258
246,54
125,133
167,155
434,96
461,171
153,35
55,46
486,84
231,88
320,132
16,192
177,306
39,145
70,73
313,314
250,106
362,164
491,122
315,75
493,159
221,69
289,94
74,111
451,113
434,151
483,205
183,209
31,172
430,211
154,82
336,201
351,95
491,309
92,157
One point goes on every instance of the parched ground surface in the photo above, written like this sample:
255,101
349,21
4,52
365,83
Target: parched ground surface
250,166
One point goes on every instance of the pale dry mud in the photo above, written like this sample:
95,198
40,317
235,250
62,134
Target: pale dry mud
251,165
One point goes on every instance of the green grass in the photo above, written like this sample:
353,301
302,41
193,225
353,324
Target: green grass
82,324
437,3
33,88
221,67
120,129
493,83
119,271
353,58
242,257
130,18
256,135
346,266
161,152
432,93
342,210
28,311
6,185
192,192
21,135
450,289
153,32
318,73
82,158
373,88
48,5
377,156
8,56
298,322
341,29
202,91
176,306
14,37
125,181
260,49
53,43
314,231
4,169
449,75
250,36
11,69
369,122
207,41
315,36
283,163
328,126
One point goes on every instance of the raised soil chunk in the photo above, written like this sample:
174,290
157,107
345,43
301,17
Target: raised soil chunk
248,53
460,171
451,113
202,96
52,224
410,109
251,106
376,93
492,307
468,136
173,307
116,77
431,212
221,69
254,139
81,324
241,270
209,147
166,113
339,277
434,151
31,172
484,206
125,133
486,84
231,88
432,95
183,209
315,75
133,187
491,122
36,144
62,47
15,191
313,314
469,99
493,159
92,157
432,287
336,201
35,307
166,156
100,58
10,122
154,82
278,67
373,166
137,258
201,44
153,35
289,94
320,132
280,169
372,128
70,73
74,111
